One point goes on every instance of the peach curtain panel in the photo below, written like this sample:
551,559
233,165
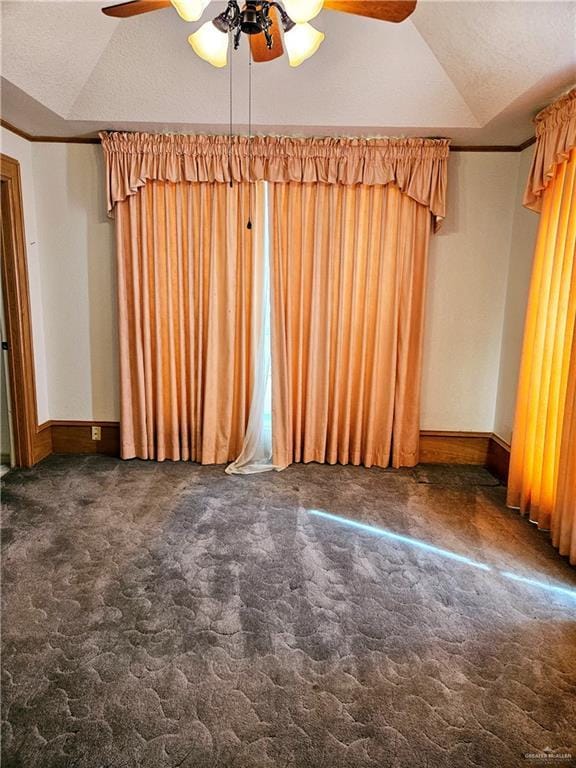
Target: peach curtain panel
417,166
542,480
563,521
187,271
348,279
350,225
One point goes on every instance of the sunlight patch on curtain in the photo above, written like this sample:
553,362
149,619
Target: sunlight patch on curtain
543,410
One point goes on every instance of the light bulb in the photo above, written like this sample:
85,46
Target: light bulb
303,10
190,10
210,44
302,41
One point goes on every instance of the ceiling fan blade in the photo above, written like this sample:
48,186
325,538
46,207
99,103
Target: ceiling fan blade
258,42
385,10
135,7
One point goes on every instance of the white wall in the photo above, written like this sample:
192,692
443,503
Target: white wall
78,281
524,229
479,268
468,269
21,150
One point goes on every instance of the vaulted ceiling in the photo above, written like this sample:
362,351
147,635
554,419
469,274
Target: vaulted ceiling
474,71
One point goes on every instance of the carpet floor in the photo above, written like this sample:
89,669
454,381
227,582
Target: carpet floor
171,616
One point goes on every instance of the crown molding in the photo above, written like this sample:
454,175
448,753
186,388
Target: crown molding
526,144
85,140
48,139
494,147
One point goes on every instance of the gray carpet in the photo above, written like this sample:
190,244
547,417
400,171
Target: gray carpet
169,615
453,474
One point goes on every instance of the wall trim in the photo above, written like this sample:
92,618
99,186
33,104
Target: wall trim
494,147
17,131
501,442
453,433
78,423
498,459
42,442
436,446
445,447
96,140
526,144
49,139
75,436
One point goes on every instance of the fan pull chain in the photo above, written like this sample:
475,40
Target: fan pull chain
231,102
249,225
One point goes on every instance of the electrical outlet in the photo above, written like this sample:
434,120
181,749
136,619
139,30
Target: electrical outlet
96,433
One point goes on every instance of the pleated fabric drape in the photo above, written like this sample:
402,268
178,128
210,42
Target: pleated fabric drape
563,522
188,277
348,279
555,136
350,225
542,481
419,167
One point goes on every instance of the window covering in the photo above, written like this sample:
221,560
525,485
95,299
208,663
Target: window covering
418,167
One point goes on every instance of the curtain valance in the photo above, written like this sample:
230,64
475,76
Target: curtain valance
417,166
555,137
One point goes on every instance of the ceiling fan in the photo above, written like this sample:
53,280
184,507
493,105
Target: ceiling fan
262,20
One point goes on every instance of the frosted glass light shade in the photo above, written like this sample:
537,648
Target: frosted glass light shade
190,10
210,44
301,42
303,10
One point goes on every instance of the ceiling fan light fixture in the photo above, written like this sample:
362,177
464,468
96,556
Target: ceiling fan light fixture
190,10
302,41
303,10
210,44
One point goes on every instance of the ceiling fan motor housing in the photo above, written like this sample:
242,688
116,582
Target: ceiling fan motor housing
252,21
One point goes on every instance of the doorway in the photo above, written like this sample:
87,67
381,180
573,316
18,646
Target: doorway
17,351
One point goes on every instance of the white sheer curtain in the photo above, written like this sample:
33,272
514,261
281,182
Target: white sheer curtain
256,453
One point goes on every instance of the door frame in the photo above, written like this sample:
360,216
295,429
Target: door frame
17,314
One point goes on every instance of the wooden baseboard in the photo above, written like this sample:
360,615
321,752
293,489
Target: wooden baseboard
498,459
76,437
436,447
42,442
483,448
454,447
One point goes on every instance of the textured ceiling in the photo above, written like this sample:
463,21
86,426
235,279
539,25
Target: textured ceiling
474,71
